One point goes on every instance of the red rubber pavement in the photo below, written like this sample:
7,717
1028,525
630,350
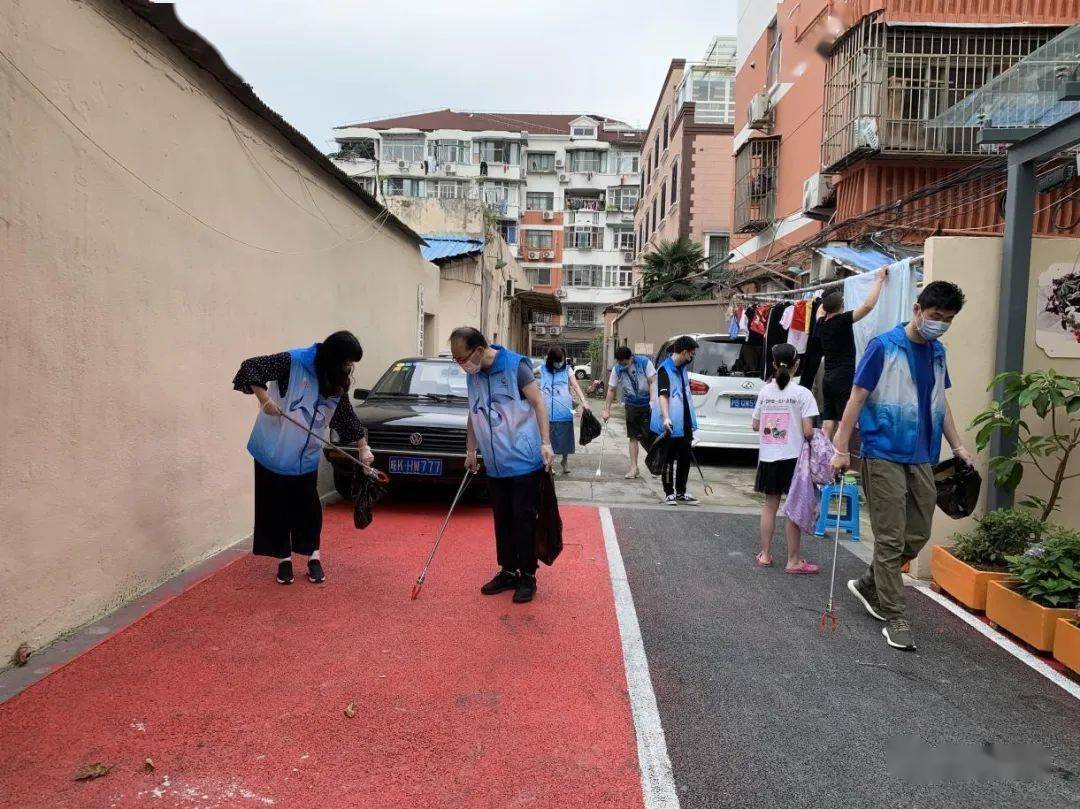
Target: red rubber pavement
237,688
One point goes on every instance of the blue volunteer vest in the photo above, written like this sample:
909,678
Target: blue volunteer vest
680,391
503,421
556,389
283,447
634,381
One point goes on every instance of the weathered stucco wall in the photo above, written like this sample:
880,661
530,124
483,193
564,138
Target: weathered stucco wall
975,264
653,323
123,319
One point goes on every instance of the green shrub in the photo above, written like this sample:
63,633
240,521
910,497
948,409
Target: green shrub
998,535
1049,572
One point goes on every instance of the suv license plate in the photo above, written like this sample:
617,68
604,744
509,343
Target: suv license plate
428,467
743,402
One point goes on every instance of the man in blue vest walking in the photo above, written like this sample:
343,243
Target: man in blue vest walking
508,427
634,375
674,414
900,406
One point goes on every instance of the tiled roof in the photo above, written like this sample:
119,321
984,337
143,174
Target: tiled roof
533,123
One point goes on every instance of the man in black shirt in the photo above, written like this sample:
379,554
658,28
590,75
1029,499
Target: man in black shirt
837,335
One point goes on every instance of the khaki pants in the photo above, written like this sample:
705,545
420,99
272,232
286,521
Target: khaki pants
901,498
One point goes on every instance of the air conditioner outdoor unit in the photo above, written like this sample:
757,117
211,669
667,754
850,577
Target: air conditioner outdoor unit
563,178
549,215
815,190
628,255
559,164
760,113
560,293
451,168
401,164
549,254
555,331
866,133
533,255
541,329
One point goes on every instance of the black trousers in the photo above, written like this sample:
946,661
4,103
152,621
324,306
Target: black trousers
288,514
676,469
516,504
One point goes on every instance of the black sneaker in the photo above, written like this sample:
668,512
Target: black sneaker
526,588
284,573
315,573
687,500
897,634
504,580
867,596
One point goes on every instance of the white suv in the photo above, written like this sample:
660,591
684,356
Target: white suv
724,384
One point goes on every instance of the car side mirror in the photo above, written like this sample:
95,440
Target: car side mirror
361,393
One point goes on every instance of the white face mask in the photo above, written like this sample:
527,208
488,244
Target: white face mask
932,330
470,366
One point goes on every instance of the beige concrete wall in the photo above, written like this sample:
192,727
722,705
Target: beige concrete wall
713,188
975,264
449,216
124,319
653,323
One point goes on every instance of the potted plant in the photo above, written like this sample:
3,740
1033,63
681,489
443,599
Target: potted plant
1067,642
980,556
1046,587
1055,399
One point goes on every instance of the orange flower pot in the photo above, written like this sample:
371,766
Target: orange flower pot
1067,644
960,580
1031,622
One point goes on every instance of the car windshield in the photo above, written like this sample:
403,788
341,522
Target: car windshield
715,357
422,379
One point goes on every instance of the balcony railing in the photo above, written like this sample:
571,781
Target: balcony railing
583,204
884,83
755,184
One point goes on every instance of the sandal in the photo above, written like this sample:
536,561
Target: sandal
804,568
761,562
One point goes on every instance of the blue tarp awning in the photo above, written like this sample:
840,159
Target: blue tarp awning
443,247
863,259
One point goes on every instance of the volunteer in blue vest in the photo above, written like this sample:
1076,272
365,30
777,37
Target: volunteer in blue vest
634,375
508,429
674,414
559,385
311,385
899,403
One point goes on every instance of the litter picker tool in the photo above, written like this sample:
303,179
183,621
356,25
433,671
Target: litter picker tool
603,438
829,618
438,537
380,477
704,483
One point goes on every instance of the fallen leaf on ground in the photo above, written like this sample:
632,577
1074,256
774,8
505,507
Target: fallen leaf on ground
88,772
350,710
22,654
148,765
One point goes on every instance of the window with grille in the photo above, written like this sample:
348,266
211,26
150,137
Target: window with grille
580,315
541,162
719,248
539,239
499,151
619,277
755,184
539,201
622,198
675,182
584,238
583,275
587,160
774,38
402,187
539,277
449,151
509,232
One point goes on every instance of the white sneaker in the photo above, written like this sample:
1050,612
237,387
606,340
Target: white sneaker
670,500
633,473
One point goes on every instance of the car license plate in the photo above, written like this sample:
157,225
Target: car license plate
743,402
431,467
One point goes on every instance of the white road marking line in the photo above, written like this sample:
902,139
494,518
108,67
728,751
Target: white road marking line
657,778
1017,651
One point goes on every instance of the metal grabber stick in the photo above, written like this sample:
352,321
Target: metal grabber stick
603,438
381,477
438,537
705,484
829,617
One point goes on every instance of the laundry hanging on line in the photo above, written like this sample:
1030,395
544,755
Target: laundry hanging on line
893,307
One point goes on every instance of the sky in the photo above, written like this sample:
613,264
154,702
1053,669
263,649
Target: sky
323,63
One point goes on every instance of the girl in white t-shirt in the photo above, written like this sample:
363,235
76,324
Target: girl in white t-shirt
783,420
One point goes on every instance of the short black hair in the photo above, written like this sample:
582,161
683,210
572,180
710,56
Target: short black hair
555,354
684,343
833,302
943,295
472,338
623,353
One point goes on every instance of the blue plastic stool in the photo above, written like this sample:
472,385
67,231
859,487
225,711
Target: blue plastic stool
849,509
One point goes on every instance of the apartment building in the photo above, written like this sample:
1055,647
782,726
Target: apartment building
562,187
834,102
687,173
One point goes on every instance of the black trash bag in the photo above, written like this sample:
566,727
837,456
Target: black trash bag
590,427
654,460
549,543
958,486
366,492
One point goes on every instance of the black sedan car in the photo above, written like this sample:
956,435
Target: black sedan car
416,420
